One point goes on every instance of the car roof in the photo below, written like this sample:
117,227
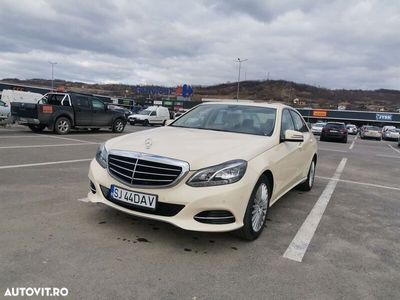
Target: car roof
250,103
335,123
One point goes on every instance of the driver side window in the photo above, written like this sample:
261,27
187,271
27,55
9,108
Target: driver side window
2,103
153,113
286,123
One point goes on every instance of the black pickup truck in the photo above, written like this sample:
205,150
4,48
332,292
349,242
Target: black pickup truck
60,112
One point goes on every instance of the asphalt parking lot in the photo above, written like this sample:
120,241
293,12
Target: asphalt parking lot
50,238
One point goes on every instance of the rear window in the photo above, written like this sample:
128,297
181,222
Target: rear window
334,126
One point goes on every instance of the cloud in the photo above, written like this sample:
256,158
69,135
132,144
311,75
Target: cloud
336,44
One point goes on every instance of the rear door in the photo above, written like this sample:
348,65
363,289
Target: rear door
101,116
83,110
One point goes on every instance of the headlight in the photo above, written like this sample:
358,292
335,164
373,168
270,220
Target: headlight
229,172
102,155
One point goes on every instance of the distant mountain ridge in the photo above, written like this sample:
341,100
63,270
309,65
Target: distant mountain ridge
267,90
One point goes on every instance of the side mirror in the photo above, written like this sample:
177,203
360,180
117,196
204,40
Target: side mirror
293,136
167,122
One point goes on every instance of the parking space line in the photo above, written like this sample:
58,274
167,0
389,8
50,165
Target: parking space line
362,183
352,144
64,138
387,156
334,150
45,163
397,150
301,241
45,146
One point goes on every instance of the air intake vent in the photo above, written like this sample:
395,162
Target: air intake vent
215,217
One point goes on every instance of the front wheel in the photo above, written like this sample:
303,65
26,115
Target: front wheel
62,125
118,126
308,184
146,123
256,211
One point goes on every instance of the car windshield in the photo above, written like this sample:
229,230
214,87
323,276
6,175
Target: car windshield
373,128
144,112
230,118
334,125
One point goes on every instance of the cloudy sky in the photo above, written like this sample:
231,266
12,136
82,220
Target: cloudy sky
335,44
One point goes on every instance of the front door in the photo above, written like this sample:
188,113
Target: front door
83,110
101,116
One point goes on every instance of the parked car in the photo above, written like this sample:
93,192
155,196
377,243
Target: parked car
219,167
371,132
4,111
317,128
150,116
180,113
60,112
391,134
334,131
351,129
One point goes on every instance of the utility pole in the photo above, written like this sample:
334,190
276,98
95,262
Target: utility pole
238,82
52,74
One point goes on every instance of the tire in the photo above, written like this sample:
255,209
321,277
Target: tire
164,122
308,184
62,125
118,126
37,128
132,122
260,196
146,123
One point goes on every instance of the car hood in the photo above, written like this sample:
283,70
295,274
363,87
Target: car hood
139,117
200,148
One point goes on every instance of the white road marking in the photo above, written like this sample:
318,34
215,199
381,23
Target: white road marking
362,183
334,150
45,146
397,150
18,136
84,199
352,145
388,156
45,163
299,244
64,138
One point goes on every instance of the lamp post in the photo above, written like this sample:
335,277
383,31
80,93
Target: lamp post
52,74
238,82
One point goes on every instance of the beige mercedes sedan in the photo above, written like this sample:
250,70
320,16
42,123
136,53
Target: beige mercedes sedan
218,167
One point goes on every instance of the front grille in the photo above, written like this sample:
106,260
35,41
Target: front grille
162,209
138,169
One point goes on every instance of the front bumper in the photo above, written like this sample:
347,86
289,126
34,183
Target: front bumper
232,197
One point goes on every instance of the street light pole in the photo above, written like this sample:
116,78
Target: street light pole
52,74
238,82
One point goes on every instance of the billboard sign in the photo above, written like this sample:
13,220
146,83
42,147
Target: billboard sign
384,117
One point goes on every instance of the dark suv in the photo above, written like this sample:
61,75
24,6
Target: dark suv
334,131
63,111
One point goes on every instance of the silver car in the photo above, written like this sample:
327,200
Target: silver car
317,128
391,134
371,132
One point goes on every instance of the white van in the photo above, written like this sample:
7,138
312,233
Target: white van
150,116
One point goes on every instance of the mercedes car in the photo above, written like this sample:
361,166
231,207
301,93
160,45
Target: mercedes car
217,168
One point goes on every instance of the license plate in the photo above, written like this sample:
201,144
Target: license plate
138,199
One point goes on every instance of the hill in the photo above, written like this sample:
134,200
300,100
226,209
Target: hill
268,90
